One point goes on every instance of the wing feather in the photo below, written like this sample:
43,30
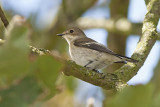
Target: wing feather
91,44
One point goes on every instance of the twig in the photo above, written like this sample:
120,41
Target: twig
3,18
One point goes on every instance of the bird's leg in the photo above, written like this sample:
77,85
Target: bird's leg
88,63
95,70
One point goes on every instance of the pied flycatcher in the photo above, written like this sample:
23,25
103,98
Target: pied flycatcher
89,53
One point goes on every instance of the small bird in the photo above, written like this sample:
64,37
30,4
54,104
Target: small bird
88,53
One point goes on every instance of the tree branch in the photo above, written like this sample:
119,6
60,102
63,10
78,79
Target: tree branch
120,26
148,39
105,80
3,18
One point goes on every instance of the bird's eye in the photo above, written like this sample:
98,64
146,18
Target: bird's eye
71,31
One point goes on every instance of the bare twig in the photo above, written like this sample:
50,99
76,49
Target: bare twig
3,18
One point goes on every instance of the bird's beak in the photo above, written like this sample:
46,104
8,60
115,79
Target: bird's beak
60,34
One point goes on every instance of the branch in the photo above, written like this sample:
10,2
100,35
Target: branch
120,26
148,39
107,81
3,18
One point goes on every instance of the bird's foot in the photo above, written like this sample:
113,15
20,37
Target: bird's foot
92,69
95,70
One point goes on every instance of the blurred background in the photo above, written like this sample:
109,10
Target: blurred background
114,23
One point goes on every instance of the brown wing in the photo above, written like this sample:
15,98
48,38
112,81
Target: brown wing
91,44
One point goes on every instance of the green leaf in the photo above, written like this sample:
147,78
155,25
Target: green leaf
136,96
156,101
14,56
48,69
20,95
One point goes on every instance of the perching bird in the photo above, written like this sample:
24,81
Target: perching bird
89,53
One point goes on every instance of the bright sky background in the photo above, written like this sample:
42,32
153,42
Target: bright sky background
48,9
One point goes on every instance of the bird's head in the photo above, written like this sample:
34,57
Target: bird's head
72,34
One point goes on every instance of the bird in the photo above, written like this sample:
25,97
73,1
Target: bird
88,53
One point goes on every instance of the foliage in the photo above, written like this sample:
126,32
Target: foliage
25,77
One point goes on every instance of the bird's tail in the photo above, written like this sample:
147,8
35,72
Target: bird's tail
124,58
